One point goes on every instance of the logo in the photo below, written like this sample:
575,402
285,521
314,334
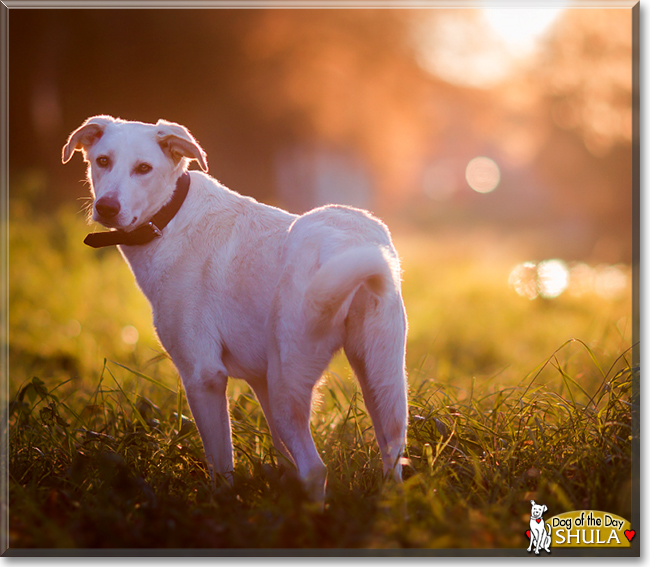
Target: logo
579,528
539,532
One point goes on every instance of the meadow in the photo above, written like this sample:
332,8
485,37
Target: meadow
511,399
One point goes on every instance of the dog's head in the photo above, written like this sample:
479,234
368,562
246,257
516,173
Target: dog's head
132,166
537,510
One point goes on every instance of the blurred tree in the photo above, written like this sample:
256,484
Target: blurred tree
263,88
588,74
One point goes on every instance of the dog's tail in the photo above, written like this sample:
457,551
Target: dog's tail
330,292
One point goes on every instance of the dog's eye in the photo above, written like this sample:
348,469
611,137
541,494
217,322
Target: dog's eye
103,161
143,168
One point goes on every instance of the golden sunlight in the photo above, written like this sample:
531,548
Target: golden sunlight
521,28
480,48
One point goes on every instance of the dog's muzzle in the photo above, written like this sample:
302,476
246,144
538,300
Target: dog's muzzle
107,207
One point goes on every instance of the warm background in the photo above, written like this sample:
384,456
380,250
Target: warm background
496,144
378,108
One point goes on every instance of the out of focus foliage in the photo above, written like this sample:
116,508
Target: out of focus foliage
302,107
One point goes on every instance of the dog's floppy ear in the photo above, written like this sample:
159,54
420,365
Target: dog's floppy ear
532,502
86,135
545,509
179,143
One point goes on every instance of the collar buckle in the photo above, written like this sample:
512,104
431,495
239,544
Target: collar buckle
154,228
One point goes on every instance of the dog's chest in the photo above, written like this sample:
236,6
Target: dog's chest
150,268
537,525
209,301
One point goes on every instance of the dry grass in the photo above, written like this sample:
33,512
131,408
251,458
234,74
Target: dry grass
505,407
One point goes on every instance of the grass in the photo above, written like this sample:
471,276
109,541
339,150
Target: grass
510,400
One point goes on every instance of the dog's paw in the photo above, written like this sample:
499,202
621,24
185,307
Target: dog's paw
315,483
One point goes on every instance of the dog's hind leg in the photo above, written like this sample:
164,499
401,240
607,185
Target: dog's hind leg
290,384
375,347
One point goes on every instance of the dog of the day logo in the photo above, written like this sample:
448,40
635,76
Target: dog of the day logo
579,528
539,532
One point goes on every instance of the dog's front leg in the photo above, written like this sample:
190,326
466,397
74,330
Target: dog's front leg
261,390
206,395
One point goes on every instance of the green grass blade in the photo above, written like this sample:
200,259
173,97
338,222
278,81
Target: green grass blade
145,377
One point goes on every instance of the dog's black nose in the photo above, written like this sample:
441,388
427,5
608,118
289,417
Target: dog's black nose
107,207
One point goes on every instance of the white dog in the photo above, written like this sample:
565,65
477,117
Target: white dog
539,536
245,290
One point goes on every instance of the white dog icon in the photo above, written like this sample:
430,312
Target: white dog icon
539,536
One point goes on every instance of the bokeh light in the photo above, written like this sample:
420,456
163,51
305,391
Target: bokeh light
439,182
552,278
611,282
523,279
608,282
130,335
483,174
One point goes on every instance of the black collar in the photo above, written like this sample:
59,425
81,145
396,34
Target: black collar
146,232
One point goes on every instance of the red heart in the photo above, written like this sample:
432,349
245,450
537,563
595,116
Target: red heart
629,534
539,520
528,534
